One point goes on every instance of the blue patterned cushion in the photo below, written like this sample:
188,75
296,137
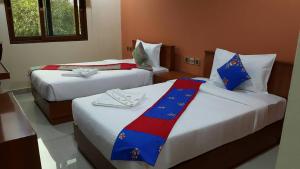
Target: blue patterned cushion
233,73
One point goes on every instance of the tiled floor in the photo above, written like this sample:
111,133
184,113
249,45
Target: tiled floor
58,149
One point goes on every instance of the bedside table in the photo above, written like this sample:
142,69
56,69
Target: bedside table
163,77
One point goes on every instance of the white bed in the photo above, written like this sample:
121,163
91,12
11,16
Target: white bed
207,123
52,86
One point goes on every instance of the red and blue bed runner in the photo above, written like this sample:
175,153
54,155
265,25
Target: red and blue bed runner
118,66
143,139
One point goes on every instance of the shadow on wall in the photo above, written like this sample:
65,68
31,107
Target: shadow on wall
246,27
88,3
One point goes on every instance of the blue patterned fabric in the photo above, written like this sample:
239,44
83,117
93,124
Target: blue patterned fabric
144,138
233,73
158,111
137,146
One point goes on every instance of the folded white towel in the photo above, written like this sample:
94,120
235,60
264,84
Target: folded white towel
107,101
119,98
85,72
127,98
71,75
81,72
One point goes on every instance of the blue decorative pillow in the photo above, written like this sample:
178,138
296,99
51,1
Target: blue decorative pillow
233,73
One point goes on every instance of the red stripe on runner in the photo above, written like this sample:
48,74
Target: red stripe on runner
123,66
127,66
51,67
161,127
154,126
186,84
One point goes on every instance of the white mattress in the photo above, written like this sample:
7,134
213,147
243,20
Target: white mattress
215,117
52,86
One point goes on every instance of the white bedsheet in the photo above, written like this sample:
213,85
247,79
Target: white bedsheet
52,86
214,118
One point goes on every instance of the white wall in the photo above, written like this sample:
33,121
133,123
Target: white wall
289,150
104,29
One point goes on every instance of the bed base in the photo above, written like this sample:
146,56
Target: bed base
56,112
227,156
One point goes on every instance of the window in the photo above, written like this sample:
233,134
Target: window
32,21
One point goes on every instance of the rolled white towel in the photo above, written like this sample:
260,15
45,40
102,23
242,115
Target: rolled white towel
107,101
119,99
71,75
127,98
85,72
81,72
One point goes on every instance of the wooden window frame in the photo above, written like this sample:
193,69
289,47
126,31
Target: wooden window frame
80,17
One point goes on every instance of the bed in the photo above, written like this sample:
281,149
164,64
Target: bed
255,118
54,93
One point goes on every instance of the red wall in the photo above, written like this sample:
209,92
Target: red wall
244,26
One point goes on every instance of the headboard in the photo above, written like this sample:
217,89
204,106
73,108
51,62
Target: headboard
280,79
167,56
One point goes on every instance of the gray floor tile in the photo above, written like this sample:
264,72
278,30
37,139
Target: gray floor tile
39,122
264,161
62,153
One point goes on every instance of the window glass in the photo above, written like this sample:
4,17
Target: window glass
61,15
31,21
26,18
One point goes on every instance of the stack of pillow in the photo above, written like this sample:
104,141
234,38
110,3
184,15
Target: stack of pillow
242,72
147,55
230,70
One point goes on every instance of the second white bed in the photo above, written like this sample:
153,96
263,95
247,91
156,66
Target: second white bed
214,118
53,86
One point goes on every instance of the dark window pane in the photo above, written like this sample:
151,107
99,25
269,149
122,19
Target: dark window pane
60,17
26,18
57,20
78,11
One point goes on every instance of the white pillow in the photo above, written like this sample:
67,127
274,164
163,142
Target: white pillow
259,68
153,51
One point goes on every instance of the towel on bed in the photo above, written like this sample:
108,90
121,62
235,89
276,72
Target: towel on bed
81,72
119,99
